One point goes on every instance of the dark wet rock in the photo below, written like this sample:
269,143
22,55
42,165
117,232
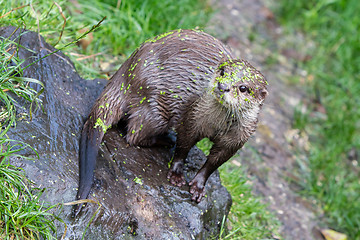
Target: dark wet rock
137,200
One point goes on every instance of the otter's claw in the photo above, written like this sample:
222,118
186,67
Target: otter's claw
176,178
197,190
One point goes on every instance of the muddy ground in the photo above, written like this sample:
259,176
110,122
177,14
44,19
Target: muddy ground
251,29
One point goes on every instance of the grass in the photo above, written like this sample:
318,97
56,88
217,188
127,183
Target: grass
248,217
12,82
23,214
131,22
333,159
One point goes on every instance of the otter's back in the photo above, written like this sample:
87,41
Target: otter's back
174,69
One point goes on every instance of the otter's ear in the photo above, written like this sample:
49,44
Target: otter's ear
221,68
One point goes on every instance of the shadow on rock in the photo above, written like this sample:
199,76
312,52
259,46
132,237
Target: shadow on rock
130,183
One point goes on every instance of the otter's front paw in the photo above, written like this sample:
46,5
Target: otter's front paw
197,189
176,178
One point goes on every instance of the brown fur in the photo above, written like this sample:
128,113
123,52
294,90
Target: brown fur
184,80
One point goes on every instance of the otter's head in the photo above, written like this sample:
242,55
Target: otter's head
239,86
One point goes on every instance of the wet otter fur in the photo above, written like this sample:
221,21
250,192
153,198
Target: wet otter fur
186,81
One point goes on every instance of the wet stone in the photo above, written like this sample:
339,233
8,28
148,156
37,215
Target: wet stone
137,200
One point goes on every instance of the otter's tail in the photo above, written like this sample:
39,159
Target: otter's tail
91,138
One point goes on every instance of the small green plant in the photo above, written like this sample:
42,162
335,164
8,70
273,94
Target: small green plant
205,145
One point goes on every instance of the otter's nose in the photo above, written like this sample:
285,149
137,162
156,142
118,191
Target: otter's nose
223,87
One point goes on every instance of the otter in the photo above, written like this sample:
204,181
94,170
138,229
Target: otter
182,80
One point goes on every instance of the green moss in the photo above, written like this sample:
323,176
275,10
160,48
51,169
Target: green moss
132,67
138,181
157,38
101,124
142,100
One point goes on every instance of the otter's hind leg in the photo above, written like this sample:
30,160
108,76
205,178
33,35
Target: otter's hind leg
146,127
145,133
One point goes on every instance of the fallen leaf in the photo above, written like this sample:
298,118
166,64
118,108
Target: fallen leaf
333,235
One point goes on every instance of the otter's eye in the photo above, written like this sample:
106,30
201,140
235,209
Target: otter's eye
243,88
222,72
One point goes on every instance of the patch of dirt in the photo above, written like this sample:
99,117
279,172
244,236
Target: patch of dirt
250,28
